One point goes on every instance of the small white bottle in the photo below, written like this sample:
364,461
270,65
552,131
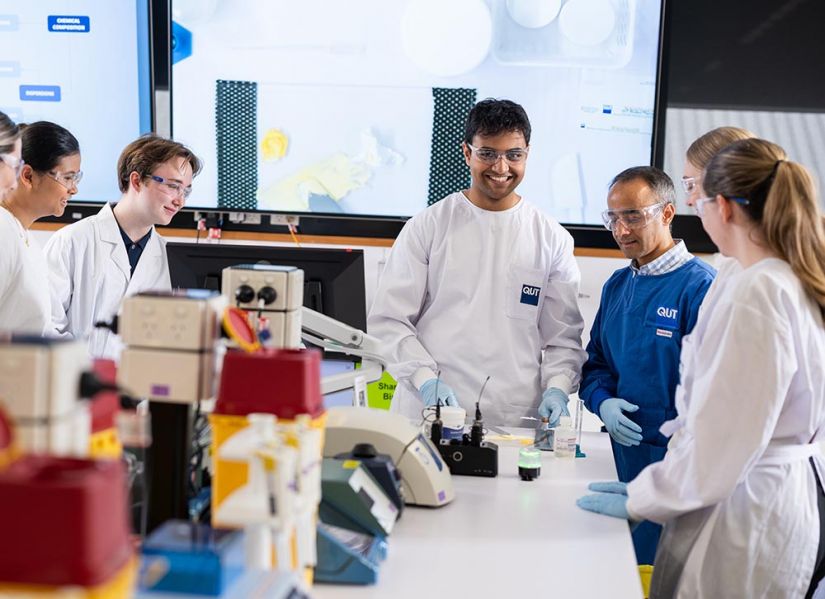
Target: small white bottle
564,441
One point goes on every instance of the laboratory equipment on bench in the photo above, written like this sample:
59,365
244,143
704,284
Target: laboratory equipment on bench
183,559
273,297
332,335
471,455
452,421
425,479
186,557
250,456
529,463
64,524
564,439
171,340
382,469
351,498
40,389
170,357
356,518
346,556
265,506
578,427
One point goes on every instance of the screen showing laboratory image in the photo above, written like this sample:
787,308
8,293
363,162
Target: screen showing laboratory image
358,107
84,64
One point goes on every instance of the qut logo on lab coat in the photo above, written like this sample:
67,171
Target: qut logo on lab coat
666,317
530,295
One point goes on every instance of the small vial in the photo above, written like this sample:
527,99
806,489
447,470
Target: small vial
564,441
529,463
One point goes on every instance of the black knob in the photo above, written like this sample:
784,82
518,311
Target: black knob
244,294
364,450
268,294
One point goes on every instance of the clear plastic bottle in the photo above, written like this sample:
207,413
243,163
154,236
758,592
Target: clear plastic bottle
564,440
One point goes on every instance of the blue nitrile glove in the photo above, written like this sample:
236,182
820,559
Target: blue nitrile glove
612,486
609,504
445,393
553,405
621,428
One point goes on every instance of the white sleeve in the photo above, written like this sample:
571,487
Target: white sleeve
60,259
744,368
561,323
397,307
9,261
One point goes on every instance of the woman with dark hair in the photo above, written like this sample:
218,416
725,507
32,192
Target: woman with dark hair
47,177
740,490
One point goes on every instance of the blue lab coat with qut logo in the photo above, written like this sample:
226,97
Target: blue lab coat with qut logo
633,354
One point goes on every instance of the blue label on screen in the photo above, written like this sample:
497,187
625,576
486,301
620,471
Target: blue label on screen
68,24
40,93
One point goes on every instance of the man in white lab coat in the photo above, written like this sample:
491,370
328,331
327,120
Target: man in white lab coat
483,284
96,262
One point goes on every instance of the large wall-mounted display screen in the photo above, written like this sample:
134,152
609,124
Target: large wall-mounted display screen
84,64
358,107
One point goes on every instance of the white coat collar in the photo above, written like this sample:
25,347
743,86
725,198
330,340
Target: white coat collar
110,233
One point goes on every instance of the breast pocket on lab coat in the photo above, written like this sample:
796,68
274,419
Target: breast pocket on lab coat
524,291
663,331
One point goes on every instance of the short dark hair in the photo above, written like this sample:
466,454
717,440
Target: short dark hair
45,144
656,179
148,152
493,117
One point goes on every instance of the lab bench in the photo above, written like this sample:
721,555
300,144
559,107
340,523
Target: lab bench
511,538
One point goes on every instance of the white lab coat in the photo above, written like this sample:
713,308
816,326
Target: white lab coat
90,275
25,303
456,295
736,490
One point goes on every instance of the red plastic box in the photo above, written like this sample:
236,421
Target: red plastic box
283,382
63,521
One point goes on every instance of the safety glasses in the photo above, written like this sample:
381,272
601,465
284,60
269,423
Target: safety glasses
699,205
635,218
491,156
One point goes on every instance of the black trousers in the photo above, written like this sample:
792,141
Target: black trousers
819,570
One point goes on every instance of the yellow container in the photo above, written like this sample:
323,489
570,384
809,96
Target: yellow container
121,586
105,445
228,477
646,573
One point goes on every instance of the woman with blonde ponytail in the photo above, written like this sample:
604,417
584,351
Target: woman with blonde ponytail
740,490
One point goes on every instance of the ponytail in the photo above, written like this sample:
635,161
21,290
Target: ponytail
781,201
793,227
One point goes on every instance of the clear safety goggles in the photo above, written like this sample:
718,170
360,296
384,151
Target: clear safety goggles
172,188
67,180
491,156
634,218
699,204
